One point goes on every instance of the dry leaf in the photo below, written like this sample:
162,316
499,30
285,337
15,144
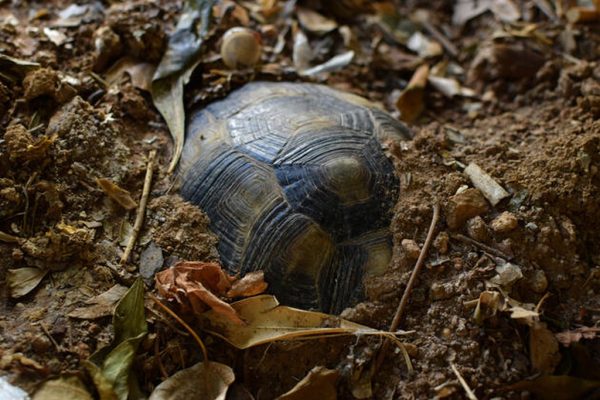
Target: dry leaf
450,87
505,10
424,46
468,9
141,73
333,64
302,54
205,380
314,22
410,103
196,286
267,321
583,14
55,36
63,388
176,67
319,383
101,305
23,280
251,284
575,335
543,348
118,194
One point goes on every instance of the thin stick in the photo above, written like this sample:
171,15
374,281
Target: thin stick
463,383
409,286
141,211
183,323
416,270
439,36
5,237
161,366
56,345
489,249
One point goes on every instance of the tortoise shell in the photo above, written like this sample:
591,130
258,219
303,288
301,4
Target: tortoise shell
295,182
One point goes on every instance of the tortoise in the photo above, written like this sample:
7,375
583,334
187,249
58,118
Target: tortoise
295,181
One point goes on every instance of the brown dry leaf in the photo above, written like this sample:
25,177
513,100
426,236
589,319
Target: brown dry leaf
205,380
141,73
319,383
267,321
505,10
101,305
314,22
251,284
197,286
23,280
410,103
63,388
543,347
118,194
467,10
583,14
575,335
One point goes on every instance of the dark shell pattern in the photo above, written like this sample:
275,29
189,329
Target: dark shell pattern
296,183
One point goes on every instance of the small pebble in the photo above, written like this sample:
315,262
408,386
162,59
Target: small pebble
538,281
441,242
441,291
477,229
464,205
504,223
411,249
41,344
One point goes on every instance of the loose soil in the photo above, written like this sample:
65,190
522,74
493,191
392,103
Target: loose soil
533,127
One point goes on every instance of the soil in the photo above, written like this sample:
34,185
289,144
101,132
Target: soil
532,126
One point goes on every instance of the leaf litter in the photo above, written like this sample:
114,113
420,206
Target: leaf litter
539,56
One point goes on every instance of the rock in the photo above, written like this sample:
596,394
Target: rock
441,291
507,274
464,205
410,248
441,242
477,229
504,223
538,281
47,82
492,191
151,261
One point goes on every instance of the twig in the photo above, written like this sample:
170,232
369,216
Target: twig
161,366
141,211
5,237
489,249
409,286
439,36
54,343
463,383
183,323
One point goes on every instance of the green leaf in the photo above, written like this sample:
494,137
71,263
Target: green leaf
176,67
110,367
